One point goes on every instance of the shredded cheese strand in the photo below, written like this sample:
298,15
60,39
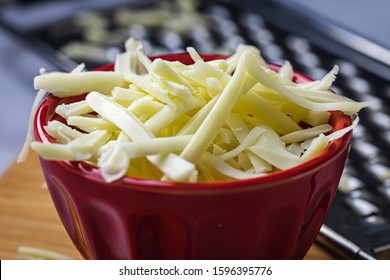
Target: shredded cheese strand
255,70
31,253
29,137
217,116
172,165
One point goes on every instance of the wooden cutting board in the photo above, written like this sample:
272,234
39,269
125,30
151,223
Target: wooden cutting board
28,216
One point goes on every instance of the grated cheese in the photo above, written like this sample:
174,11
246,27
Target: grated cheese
217,120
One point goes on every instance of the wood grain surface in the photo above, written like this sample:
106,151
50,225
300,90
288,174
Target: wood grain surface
28,216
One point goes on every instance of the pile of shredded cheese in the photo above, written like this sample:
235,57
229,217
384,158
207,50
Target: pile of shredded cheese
208,121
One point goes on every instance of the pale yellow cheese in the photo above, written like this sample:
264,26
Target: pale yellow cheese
206,121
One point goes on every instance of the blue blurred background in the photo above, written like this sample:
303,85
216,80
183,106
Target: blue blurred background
19,64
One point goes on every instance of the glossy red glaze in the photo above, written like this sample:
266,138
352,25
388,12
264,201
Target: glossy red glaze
277,216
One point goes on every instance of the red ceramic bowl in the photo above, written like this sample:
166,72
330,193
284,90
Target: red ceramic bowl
272,217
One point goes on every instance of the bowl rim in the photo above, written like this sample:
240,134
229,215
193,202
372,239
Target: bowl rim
335,147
